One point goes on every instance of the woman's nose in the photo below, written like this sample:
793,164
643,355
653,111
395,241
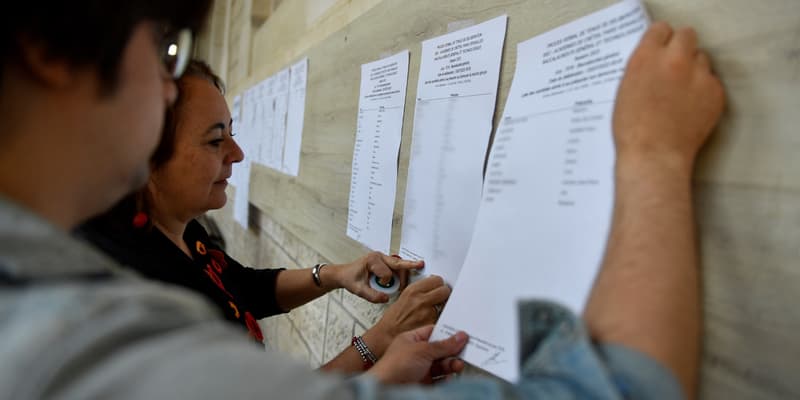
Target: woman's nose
235,154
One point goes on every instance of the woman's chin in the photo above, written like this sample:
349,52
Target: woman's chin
218,201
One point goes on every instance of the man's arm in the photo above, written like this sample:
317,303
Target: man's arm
647,295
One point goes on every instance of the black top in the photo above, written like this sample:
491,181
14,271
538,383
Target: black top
243,294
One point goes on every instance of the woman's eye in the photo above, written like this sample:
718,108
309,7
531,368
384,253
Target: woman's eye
216,142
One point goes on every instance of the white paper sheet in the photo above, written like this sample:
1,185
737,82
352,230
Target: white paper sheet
265,109
456,96
246,136
236,112
281,106
548,197
294,118
260,97
373,180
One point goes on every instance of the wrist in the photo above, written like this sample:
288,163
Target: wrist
378,340
368,357
379,373
329,277
643,166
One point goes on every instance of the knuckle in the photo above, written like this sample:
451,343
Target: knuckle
446,292
688,31
661,27
677,63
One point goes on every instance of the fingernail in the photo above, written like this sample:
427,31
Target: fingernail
395,256
461,337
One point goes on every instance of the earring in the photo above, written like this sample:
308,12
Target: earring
140,219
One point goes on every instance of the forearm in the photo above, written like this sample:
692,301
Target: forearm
296,287
647,293
349,361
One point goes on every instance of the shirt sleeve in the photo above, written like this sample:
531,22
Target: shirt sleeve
256,288
559,361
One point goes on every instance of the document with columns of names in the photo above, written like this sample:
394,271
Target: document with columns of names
262,95
456,96
273,99
548,194
294,117
379,129
281,105
245,125
236,174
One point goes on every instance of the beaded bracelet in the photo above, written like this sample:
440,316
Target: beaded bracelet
367,357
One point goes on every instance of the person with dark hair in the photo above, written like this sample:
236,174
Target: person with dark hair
75,325
155,232
86,37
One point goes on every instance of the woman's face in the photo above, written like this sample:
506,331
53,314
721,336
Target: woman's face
194,179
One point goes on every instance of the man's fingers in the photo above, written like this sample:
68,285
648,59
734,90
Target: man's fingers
702,60
449,347
447,366
685,41
456,366
659,34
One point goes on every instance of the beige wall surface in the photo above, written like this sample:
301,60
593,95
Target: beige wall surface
747,182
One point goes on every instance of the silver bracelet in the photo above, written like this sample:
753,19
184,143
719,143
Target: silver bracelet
315,274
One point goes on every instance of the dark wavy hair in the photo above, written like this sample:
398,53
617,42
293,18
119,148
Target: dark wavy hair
89,32
140,201
166,147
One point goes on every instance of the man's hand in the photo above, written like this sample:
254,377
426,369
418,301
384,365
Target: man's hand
668,101
412,359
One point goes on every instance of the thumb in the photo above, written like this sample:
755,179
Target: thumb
449,347
373,296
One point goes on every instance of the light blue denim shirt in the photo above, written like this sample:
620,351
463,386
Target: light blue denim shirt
76,327
559,361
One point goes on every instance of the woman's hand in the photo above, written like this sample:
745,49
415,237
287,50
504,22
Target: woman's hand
418,305
355,276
